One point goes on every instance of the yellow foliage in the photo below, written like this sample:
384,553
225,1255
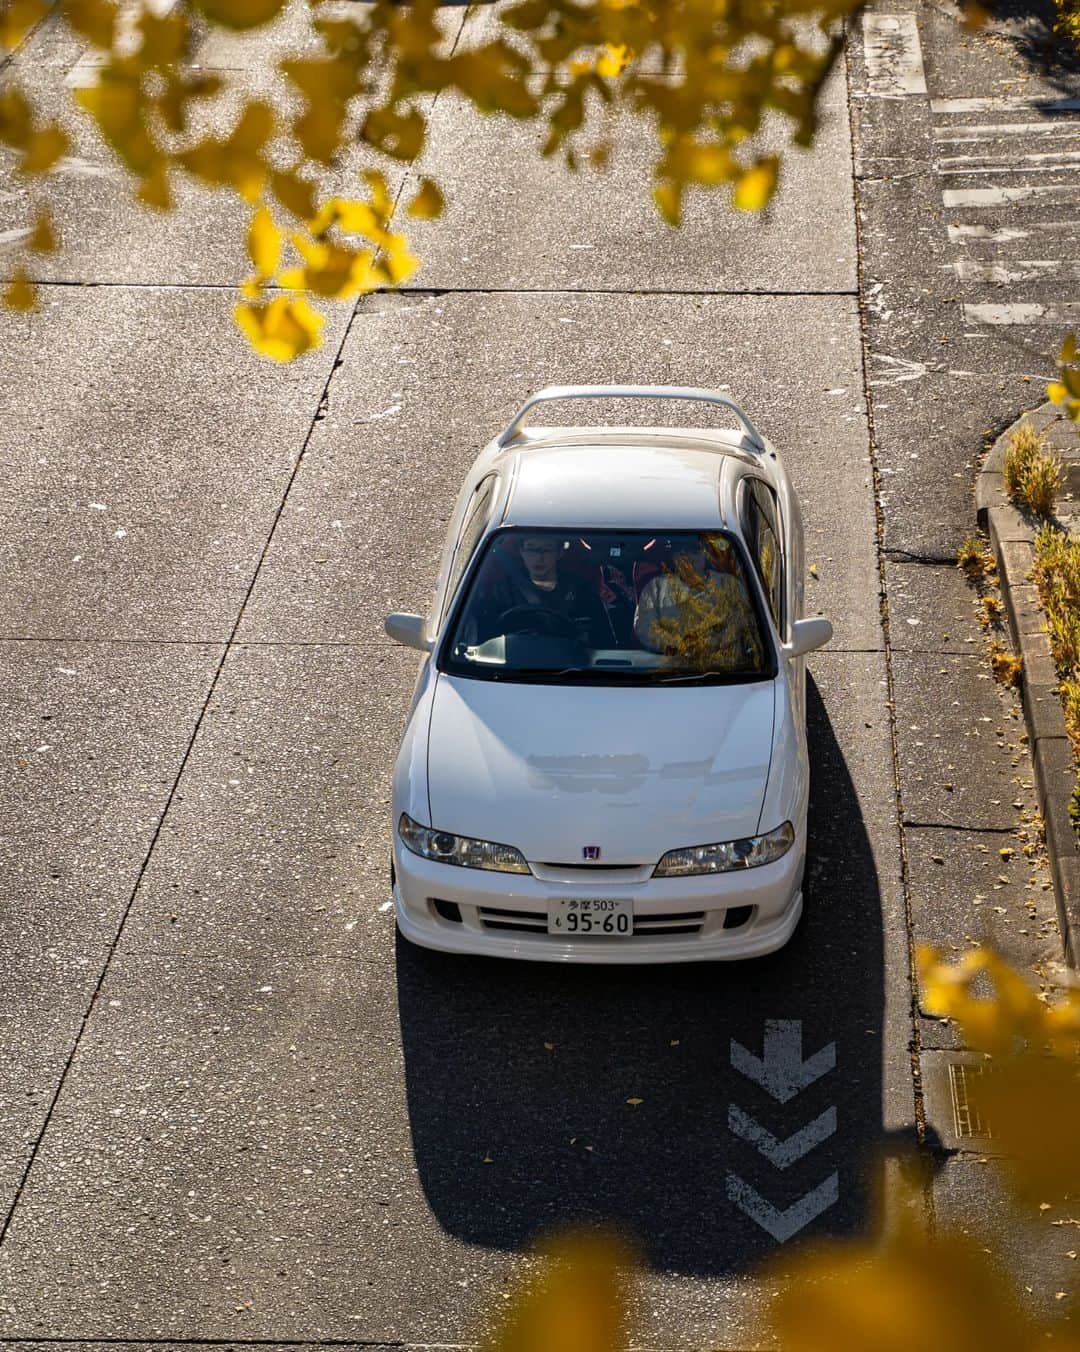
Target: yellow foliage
20,293
576,1304
42,237
331,270
756,186
911,1291
236,160
264,243
681,69
17,17
43,150
1066,389
282,329
428,202
295,193
94,20
240,14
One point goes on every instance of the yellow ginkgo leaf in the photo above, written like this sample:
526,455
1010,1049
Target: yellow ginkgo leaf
241,14
154,190
264,243
43,149
283,329
42,237
614,60
20,293
755,187
576,1304
668,199
296,194
95,20
331,270
16,118
17,17
1056,392
428,202
400,135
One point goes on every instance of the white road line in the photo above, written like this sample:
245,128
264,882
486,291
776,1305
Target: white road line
954,134
1018,270
1049,106
1017,163
1067,312
994,197
894,63
1007,233
1019,169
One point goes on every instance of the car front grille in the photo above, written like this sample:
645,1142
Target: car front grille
535,922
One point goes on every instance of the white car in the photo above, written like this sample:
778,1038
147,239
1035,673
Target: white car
605,758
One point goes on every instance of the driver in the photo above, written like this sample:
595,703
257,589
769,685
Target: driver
540,582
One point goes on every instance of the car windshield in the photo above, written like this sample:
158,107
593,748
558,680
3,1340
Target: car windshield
609,607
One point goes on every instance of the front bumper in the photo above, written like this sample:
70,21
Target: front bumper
675,919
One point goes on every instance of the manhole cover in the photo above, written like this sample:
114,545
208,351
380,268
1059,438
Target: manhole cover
967,1120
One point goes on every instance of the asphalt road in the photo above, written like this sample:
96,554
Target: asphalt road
232,1105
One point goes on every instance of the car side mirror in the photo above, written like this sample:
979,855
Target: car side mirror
409,630
806,635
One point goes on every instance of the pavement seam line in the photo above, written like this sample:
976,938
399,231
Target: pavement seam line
423,292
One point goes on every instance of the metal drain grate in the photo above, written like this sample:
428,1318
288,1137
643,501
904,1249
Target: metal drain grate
967,1120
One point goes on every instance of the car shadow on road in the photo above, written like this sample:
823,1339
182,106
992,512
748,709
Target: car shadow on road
542,1096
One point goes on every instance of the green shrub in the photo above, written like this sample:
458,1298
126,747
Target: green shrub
1032,473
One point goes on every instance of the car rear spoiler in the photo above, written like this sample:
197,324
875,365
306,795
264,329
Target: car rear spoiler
749,431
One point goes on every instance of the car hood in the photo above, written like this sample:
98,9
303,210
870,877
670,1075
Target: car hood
551,769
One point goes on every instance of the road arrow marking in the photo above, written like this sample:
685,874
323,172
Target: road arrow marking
782,1224
782,1070
782,1153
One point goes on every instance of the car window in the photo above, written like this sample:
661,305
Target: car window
472,527
609,607
763,537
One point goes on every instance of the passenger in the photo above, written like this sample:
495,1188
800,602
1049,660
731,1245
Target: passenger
697,610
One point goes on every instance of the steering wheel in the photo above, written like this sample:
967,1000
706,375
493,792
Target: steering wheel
537,620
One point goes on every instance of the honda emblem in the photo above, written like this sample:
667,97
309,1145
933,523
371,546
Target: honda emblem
590,851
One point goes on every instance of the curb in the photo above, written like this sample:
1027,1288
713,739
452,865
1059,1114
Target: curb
1012,535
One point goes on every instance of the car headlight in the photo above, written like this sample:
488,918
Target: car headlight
464,851
750,852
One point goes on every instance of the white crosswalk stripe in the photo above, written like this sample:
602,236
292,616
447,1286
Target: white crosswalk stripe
995,222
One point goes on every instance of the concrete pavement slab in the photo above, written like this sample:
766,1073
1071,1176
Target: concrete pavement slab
97,734
96,737
107,237
552,228
961,762
1031,1246
426,381
932,610
279,838
141,479
257,1143
963,892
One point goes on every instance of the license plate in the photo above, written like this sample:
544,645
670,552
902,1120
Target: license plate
605,918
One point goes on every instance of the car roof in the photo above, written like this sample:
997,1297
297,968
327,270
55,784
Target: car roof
664,482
